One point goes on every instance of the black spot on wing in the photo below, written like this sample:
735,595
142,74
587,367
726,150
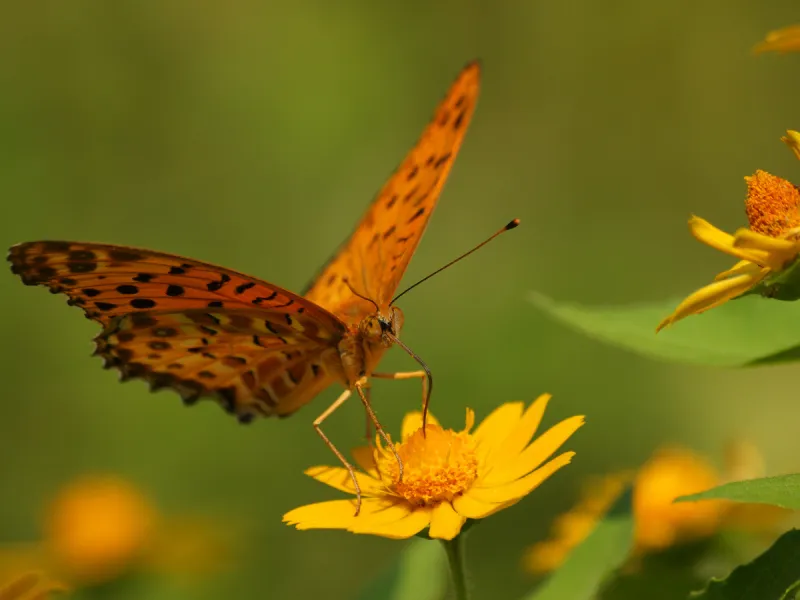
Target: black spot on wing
417,215
143,303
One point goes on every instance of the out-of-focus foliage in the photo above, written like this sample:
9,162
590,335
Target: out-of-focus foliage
253,134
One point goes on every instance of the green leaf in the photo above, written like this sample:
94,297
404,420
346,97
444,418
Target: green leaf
747,331
780,490
784,285
419,573
775,575
588,566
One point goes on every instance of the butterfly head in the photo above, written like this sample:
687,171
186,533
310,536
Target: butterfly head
382,327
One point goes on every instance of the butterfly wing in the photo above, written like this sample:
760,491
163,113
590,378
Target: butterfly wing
195,327
375,257
251,362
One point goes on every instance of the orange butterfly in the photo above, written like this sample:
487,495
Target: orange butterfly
259,349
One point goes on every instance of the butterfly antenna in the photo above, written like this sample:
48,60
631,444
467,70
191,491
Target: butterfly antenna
513,224
356,294
428,375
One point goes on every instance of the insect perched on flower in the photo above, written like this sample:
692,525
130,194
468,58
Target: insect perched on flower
258,349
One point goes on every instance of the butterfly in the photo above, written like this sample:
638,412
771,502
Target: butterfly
259,349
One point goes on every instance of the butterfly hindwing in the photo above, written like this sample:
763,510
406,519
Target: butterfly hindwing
197,328
251,365
375,257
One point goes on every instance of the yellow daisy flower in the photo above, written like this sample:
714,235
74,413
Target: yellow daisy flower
448,476
782,40
99,528
769,246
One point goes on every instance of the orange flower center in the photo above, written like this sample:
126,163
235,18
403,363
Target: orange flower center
436,467
772,204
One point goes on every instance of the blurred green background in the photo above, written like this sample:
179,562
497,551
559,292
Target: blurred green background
253,135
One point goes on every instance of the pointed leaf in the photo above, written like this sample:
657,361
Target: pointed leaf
746,331
780,490
603,551
775,575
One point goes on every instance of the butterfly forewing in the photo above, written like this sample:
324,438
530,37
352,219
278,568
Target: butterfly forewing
375,257
191,326
108,281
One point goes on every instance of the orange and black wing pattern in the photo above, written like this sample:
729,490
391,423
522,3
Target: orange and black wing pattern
375,257
200,329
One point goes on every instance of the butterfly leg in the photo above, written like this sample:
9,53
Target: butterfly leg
360,388
426,392
318,427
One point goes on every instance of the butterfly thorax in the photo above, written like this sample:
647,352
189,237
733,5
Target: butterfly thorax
361,351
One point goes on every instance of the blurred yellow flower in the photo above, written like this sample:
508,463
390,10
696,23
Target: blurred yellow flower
30,586
98,527
659,523
782,40
769,246
448,476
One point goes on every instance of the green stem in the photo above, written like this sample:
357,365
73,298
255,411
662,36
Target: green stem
455,557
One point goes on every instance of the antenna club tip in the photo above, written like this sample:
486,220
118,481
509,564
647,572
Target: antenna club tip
512,224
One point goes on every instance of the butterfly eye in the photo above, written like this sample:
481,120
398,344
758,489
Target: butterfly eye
385,324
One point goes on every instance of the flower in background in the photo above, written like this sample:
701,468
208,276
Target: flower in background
769,246
448,476
99,528
659,522
31,586
780,40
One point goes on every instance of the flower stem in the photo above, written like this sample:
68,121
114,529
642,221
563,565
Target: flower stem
455,557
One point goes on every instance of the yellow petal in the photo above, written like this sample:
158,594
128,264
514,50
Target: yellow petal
334,514
712,296
521,487
479,509
780,40
446,523
472,508
519,437
743,267
792,139
409,525
777,251
340,514
494,428
413,421
705,232
383,513
534,455
365,459
469,421
339,478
